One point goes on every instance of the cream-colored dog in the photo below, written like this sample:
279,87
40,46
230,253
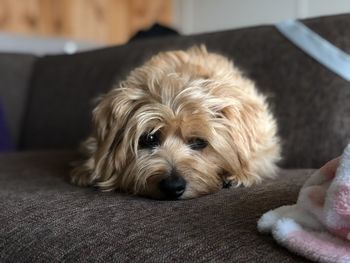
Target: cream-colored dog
182,125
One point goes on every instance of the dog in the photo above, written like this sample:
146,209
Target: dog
183,125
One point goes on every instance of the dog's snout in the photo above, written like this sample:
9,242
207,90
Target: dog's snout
172,186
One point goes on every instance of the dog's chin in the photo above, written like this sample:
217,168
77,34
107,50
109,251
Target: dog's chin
188,194
191,194
192,190
172,173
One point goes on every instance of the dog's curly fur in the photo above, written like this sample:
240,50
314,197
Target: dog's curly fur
181,96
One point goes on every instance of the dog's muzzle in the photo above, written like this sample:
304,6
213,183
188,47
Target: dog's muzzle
172,187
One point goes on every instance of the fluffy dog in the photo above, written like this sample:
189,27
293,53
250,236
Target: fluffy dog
180,126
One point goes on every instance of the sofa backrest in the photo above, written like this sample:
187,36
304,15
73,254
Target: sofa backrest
15,75
310,102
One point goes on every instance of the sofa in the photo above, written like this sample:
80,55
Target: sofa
47,102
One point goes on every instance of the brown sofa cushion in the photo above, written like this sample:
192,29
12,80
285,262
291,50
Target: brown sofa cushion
44,218
310,102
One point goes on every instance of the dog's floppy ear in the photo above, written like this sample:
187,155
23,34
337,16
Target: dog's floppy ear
247,141
238,143
103,147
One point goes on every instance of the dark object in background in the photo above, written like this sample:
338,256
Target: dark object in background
154,31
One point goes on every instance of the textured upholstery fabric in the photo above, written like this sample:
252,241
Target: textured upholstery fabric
45,219
15,74
310,102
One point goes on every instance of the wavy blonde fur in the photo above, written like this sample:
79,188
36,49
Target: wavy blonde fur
181,94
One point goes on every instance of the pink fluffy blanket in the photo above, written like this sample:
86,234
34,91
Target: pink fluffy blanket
318,225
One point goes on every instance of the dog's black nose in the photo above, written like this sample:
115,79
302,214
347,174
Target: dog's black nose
173,186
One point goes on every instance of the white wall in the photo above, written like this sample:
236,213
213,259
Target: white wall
196,16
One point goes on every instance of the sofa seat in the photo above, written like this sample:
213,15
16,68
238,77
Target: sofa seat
43,218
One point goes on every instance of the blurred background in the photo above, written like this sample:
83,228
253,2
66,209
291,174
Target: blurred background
55,26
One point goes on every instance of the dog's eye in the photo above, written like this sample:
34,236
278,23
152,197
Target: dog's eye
197,143
149,140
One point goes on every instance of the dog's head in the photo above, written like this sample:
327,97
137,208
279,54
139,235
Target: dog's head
179,127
